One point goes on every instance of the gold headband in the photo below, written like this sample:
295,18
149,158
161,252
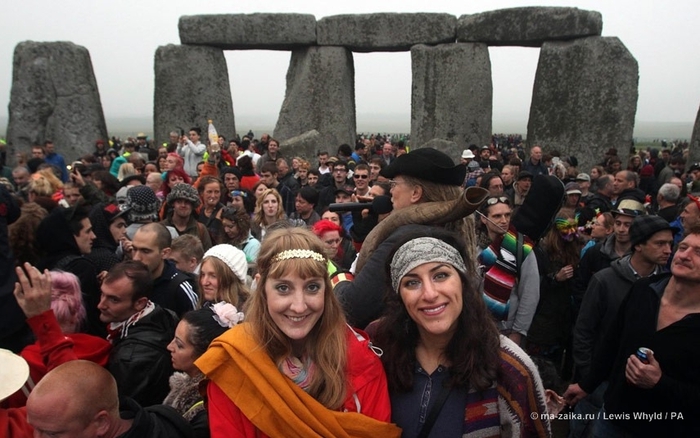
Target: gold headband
298,254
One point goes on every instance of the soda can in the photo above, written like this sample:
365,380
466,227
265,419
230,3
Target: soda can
643,354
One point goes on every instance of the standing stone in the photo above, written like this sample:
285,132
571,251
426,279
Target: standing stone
54,96
385,32
584,99
695,141
320,95
528,26
452,94
191,86
249,31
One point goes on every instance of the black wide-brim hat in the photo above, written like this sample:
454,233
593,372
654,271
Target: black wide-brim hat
427,164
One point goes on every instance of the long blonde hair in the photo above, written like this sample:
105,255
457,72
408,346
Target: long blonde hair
326,344
259,214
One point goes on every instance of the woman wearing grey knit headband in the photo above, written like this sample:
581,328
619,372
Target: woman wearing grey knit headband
449,371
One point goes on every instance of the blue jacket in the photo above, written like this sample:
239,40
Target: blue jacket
58,161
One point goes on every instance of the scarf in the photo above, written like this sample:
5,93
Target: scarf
300,371
481,417
500,266
239,365
118,330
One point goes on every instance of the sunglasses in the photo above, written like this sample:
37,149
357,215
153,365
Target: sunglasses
496,200
360,176
695,199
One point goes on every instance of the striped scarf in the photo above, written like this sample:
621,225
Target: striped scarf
500,266
299,370
514,405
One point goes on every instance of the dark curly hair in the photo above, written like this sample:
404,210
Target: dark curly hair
473,351
242,220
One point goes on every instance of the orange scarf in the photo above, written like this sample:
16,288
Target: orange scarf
271,401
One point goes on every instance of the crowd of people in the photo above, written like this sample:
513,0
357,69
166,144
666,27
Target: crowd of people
233,289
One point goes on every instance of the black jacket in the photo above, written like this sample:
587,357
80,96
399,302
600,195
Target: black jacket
139,360
601,302
597,258
153,422
14,333
599,202
174,290
674,347
104,247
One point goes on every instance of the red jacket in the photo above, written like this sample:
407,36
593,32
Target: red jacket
85,347
13,423
52,349
369,393
56,349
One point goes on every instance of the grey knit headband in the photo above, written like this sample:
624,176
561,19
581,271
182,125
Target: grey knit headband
423,250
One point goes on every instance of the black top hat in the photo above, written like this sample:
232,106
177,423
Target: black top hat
427,164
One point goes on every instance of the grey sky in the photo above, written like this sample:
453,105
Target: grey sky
122,37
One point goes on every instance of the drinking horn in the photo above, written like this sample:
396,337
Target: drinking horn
427,213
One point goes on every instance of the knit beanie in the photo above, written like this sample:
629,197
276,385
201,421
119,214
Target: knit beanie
232,256
142,203
184,191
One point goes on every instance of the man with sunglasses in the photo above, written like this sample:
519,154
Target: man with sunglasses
511,285
361,178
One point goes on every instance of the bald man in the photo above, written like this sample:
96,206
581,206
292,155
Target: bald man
534,164
79,399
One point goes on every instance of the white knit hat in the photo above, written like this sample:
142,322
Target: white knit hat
232,256
13,373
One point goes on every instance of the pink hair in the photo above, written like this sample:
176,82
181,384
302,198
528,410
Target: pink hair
180,160
67,301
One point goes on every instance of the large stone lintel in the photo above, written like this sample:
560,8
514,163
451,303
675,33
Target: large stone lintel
385,32
528,26
249,31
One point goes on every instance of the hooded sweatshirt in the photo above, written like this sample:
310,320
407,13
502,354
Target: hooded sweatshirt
104,247
55,239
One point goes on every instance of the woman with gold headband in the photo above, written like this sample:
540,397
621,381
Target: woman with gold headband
295,368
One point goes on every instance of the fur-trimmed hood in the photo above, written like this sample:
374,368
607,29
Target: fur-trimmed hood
184,395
